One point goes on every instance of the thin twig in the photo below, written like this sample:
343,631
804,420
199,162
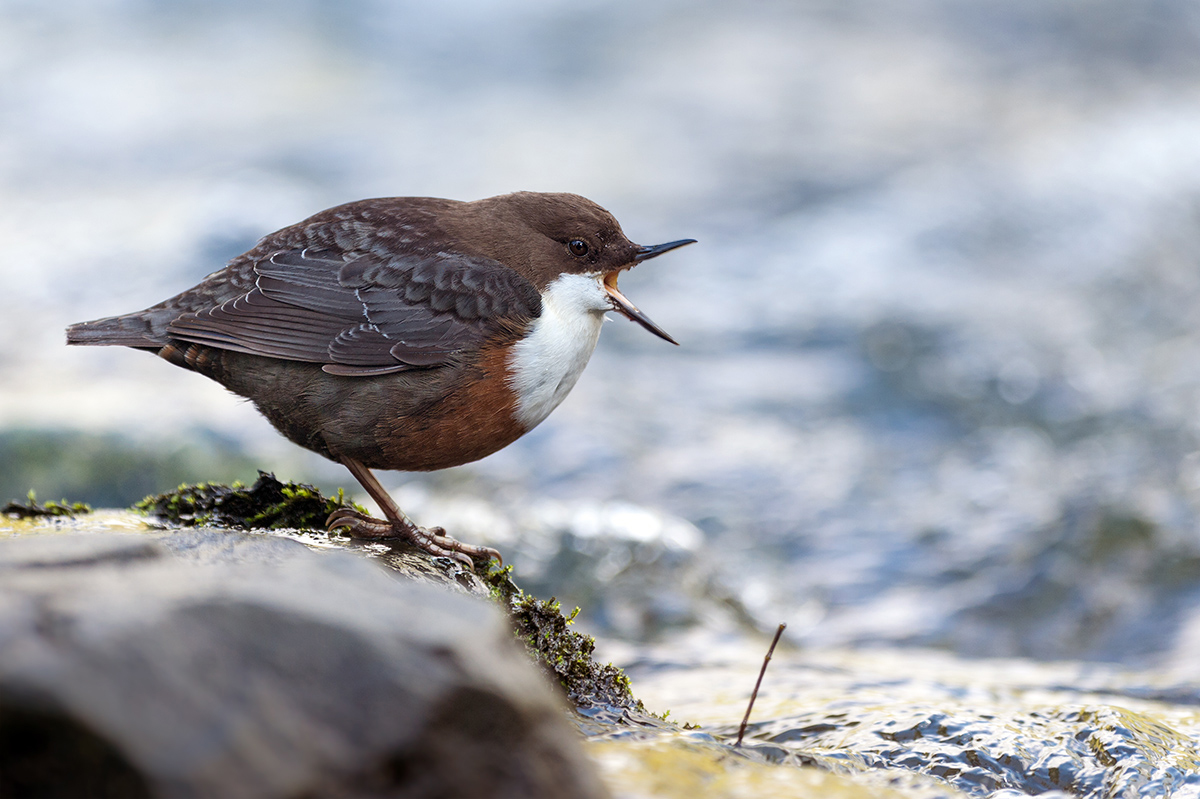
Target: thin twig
761,672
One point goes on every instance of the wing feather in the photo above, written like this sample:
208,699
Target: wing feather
360,315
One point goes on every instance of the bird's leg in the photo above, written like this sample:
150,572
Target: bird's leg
397,525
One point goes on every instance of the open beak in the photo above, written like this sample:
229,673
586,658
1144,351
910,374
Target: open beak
627,308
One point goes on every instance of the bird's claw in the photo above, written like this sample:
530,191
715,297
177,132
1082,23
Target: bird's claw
432,540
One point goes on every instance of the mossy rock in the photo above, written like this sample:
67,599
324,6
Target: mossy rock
32,510
268,505
539,624
564,654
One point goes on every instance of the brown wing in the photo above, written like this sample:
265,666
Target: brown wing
361,315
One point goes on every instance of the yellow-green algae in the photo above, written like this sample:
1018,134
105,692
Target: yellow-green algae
976,727
676,766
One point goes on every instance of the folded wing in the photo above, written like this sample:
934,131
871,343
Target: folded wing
361,315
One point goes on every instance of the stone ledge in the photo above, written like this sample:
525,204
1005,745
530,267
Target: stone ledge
216,663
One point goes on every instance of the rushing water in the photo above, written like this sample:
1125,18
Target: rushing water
909,724
939,360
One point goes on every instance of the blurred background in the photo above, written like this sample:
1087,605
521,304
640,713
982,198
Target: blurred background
940,359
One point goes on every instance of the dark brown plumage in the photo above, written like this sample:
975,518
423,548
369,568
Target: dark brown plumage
402,333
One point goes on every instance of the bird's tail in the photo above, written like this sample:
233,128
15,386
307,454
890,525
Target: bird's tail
132,330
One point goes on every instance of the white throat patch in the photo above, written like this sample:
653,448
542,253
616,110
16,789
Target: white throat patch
546,363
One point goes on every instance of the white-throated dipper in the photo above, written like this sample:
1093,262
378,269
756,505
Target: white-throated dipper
408,333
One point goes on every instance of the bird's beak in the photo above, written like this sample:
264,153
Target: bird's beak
624,306
655,250
627,308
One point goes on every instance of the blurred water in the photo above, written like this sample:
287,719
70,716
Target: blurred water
939,357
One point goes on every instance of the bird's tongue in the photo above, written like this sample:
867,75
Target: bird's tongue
624,306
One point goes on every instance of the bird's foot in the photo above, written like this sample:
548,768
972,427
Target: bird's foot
432,540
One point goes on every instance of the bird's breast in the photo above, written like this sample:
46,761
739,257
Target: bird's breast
544,365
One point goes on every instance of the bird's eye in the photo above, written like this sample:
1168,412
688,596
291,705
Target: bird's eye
578,247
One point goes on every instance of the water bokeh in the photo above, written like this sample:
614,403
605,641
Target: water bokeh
939,344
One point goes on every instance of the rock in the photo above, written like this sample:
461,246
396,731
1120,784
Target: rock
209,663
298,511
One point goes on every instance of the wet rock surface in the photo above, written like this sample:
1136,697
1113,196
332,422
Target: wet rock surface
156,661
210,663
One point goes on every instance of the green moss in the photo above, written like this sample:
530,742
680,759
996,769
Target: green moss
565,654
31,508
268,504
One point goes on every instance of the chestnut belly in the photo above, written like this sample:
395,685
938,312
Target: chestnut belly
418,420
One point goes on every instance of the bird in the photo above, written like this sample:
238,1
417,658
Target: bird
403,333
